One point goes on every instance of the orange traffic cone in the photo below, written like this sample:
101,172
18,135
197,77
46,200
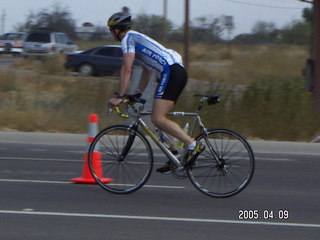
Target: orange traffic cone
86,174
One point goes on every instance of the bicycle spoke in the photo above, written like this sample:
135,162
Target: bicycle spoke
128,170
226,170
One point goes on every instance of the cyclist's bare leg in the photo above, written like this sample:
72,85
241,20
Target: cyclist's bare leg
161,107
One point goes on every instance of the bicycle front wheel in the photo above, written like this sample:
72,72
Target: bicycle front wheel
126,157
226,165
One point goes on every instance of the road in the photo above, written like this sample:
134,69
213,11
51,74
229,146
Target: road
38,200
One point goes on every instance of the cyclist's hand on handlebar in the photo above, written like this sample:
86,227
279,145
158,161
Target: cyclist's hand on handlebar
113,102
137,95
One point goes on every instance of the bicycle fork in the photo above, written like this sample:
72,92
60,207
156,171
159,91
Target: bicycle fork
129,142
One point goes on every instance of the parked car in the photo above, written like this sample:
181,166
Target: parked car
96,61
12,43
45,43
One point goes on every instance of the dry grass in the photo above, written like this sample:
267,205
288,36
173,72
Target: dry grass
52,65
37,102
248,64
261,87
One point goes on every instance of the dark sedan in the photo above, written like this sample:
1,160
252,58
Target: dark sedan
96,61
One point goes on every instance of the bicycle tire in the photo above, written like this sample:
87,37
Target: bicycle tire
126,157
235,171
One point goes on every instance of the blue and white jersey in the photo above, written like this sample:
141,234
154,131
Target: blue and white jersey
149,53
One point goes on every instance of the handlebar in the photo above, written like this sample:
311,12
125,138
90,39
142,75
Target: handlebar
128,99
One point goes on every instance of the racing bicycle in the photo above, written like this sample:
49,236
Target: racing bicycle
223,169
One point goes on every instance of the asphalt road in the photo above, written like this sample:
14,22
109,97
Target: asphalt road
38,200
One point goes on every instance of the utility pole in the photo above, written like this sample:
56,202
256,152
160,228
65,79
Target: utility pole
316,51
165,26
3,19
229,25
186,35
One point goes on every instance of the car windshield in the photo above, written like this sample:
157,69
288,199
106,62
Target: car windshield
38,37
12,36
89,51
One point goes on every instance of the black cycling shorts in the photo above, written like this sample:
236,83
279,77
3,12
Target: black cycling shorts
172,82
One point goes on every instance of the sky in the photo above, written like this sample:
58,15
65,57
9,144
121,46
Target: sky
245,12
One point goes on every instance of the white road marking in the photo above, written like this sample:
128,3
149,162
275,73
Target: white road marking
37,150
41,159
56,160
155,155
155,218
64,182
33,181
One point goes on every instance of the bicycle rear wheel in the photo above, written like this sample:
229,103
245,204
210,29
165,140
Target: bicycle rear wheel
226,165
126,157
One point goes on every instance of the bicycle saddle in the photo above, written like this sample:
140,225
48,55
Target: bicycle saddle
211,98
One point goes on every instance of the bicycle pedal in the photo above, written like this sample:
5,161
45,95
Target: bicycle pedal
167,173
178,169
173,170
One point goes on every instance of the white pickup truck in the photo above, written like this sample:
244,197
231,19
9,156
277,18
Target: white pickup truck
12,43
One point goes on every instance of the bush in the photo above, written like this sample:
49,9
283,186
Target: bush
262,92
270,109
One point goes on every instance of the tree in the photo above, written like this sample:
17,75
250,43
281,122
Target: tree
263,29
307,14
298,32
207,29
55,19
125,9
151,25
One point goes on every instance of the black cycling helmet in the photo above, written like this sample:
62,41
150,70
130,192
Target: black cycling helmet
119,20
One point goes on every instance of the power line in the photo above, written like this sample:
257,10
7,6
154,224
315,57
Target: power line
307,1
261,5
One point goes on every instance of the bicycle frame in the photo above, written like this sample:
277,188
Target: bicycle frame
138,121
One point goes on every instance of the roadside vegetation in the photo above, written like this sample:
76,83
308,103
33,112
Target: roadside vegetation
261,87
258,76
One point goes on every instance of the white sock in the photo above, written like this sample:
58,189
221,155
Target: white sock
192,145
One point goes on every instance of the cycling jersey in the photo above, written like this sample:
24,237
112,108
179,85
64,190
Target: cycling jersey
166,63
149,53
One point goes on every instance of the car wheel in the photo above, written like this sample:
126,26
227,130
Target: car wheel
86,69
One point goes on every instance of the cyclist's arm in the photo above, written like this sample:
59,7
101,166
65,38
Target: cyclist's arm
125,75
145,78
125,72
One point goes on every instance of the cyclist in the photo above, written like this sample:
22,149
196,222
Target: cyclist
167,65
